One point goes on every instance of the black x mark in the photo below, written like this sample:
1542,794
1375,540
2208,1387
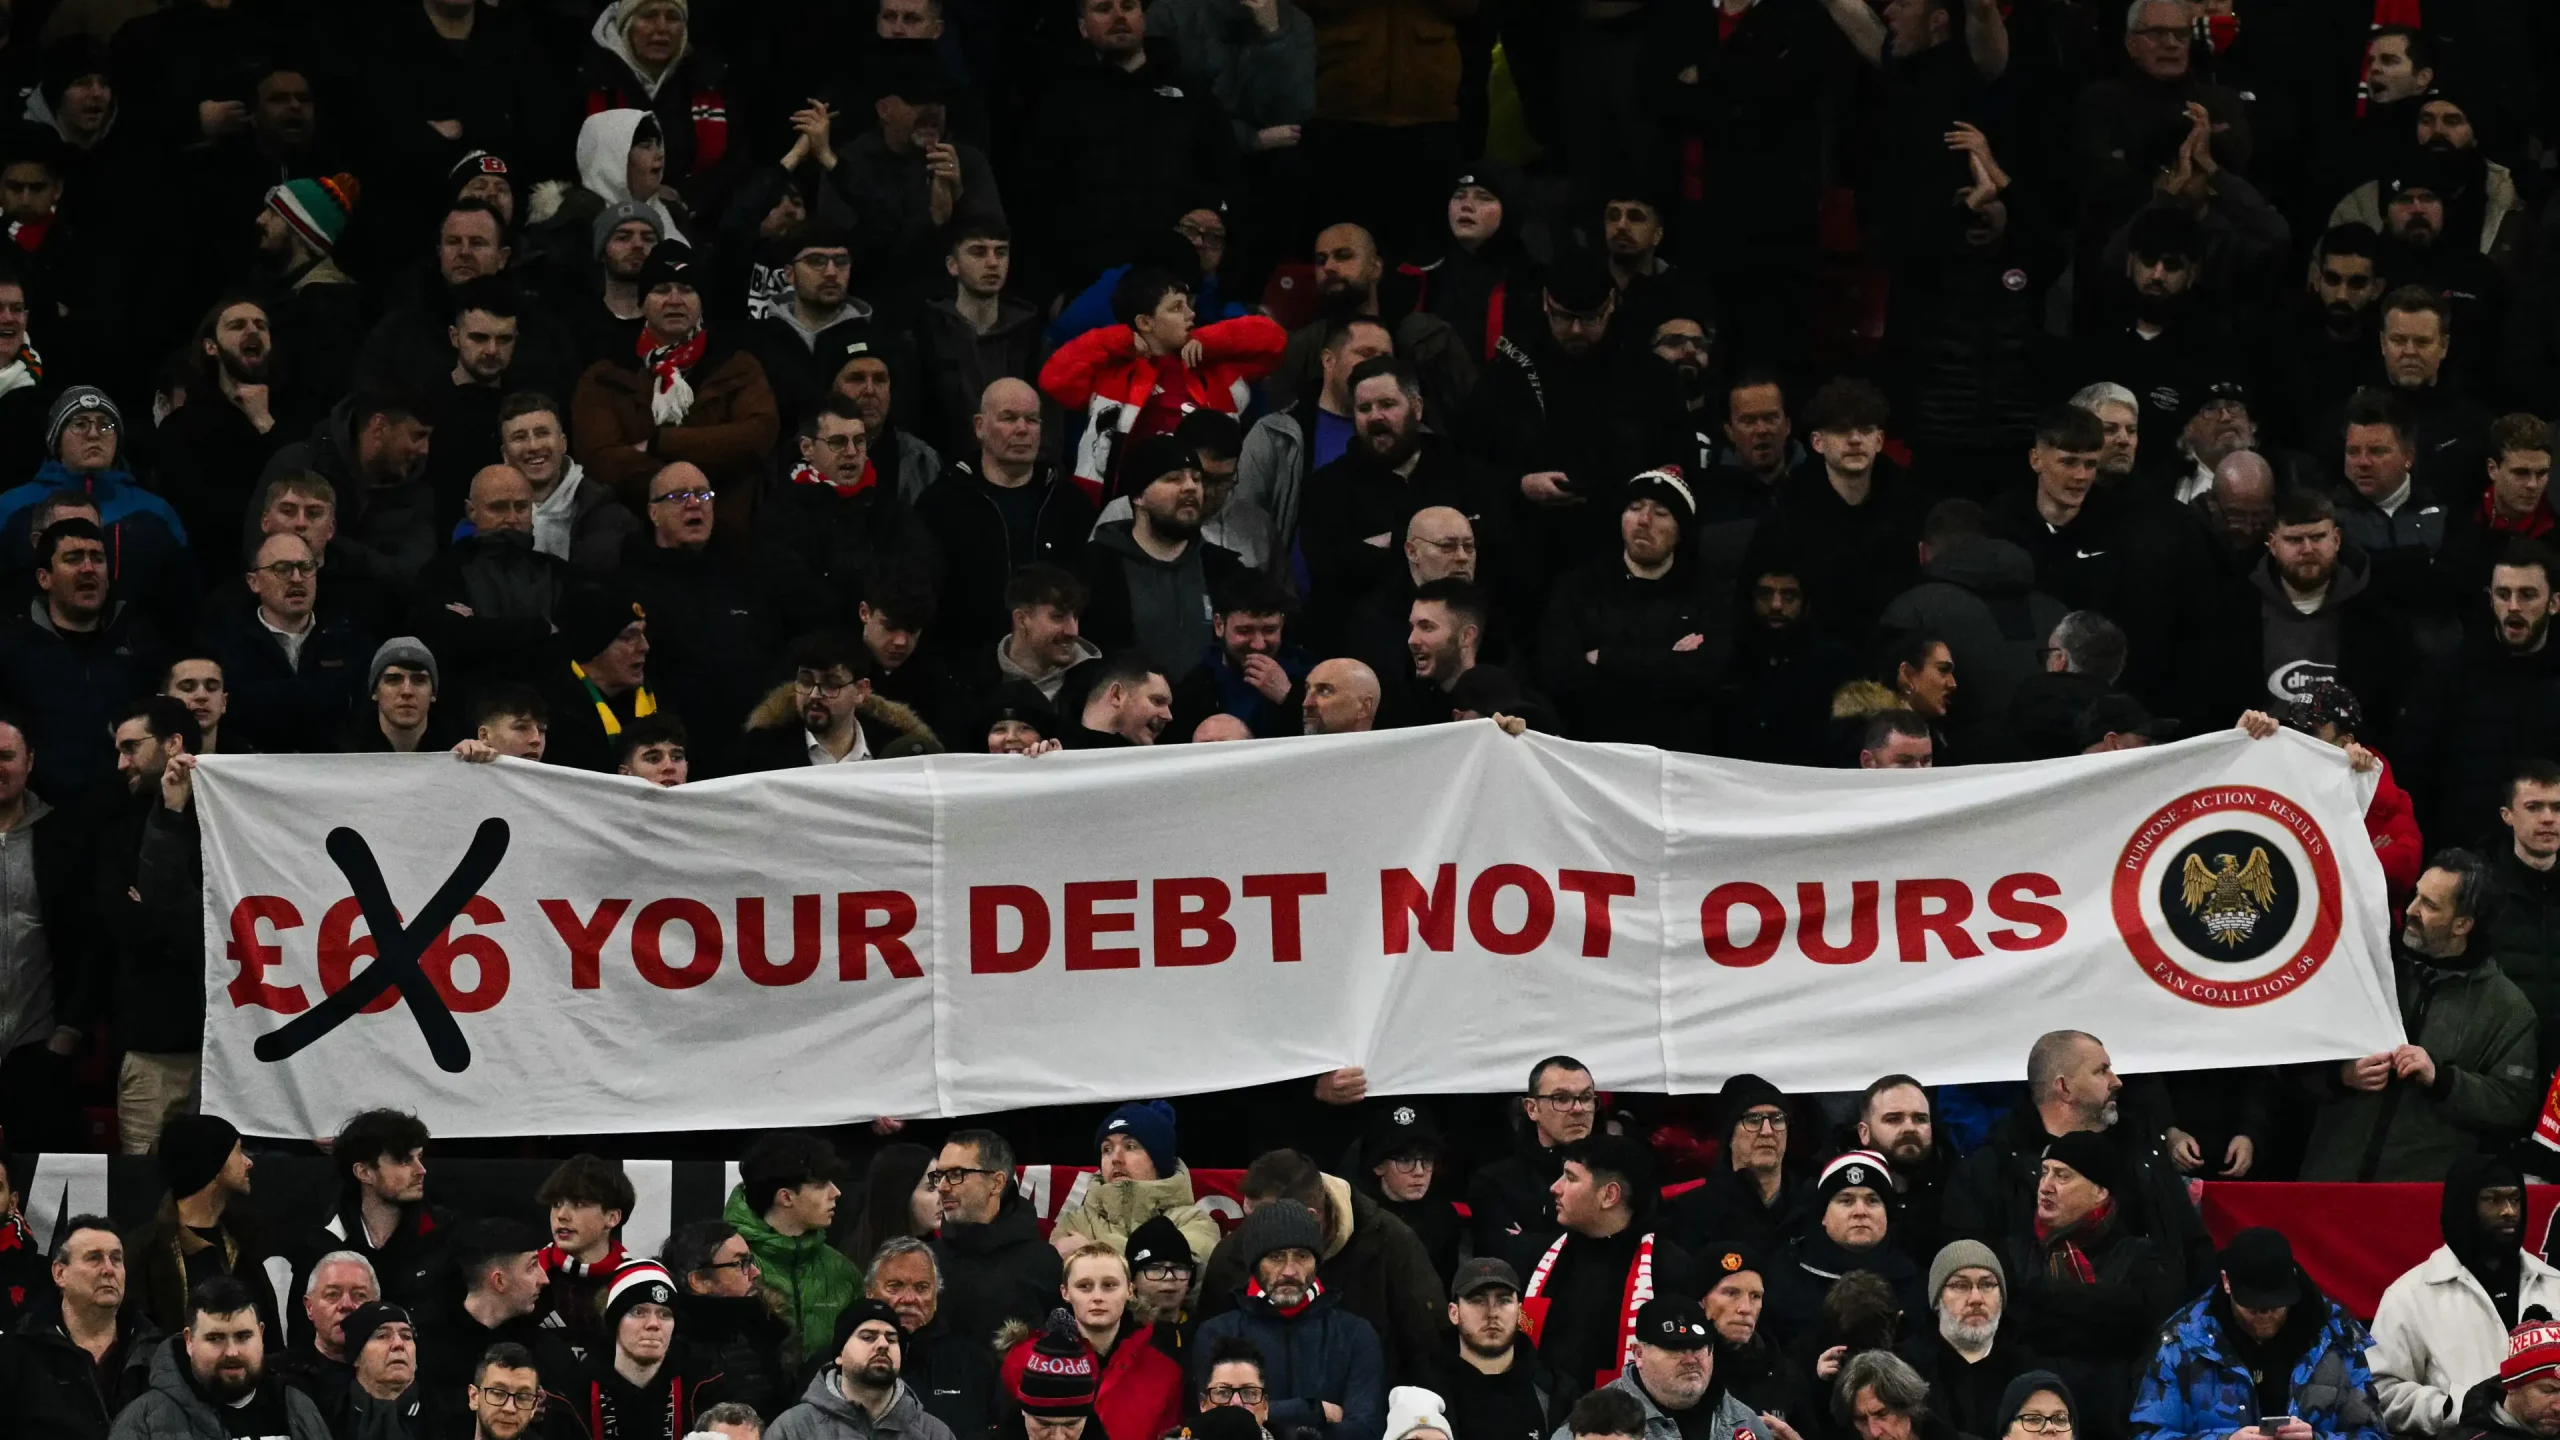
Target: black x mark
396,949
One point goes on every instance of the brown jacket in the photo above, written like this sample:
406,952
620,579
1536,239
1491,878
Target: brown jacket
728,433
1387,62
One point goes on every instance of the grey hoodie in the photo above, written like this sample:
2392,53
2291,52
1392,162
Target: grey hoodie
1732,1417
824,1414
172,1410
2297,649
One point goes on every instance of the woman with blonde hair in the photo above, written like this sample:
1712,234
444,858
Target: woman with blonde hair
1141,1396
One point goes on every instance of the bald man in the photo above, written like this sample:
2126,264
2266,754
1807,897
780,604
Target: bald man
680,497
484,606
1439,544
293,671
2240,507
991,517
1342,698
1219,728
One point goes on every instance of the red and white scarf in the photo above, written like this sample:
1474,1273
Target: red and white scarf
805,473
672,396
561,1262
1533,1304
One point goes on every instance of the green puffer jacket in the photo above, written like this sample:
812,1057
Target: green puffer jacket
810,1280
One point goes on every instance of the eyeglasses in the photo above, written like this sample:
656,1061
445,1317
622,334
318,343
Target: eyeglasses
746,1265
2035,1424
510,1399
826,262
1201,234
953,1176
842,443
683,497
1235,1394
1984,1286
92,425
1165,1272
1765,1124
1410,1164
1449,547
291,569
828,690
1570,1100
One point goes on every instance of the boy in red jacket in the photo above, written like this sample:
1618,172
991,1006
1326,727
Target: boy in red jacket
1141,376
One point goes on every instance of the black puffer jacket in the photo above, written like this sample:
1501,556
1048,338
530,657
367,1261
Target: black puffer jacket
746,1337
49,1387
1002,1270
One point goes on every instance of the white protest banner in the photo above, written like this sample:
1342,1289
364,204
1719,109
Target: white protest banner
958,934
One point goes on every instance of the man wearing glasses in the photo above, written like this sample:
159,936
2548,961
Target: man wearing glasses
1515,1213
995,1266
294,673
1965,1358
1755,1201
827,715
834,509
505,1393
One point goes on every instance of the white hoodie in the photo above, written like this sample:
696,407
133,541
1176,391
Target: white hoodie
604,163
608,36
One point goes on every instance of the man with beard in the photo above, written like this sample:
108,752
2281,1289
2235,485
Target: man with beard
1672,1377
1688,345
1895,1121
293,668
1151,576
606,323
1566,415
1333,1383
2515,506
2445,126
2418,334
1774,702
2441,1327
860,1394
199,1233
1585,1291
2318,356
2419,190
318,308
2218,425
485,606
2466,1079
1631,234
1128,703
1251,672
2307,612
1351,277
1496,1386
1444,638
504,1391
2073,1088
1625,645
1755,1199
211,1378
1853,1216
2522,1400
408,348
1359,506
2478,714
1967,1358
791,343
214,449
2172,336
2302,1355
1293,442
1512,1200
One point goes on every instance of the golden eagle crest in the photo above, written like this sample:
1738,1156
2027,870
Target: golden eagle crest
2229,899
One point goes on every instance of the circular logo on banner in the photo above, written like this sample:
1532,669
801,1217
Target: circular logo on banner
2228,896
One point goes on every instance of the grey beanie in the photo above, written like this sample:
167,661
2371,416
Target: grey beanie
77,400
626,213
1278,1225
404,650
1958,1255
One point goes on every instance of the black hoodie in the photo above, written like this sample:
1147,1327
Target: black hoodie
2497,1262
998,1271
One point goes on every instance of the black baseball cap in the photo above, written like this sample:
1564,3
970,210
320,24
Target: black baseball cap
2259,1265
1670,1322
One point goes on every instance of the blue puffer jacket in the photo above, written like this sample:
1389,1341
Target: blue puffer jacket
2196,1390
1322,1354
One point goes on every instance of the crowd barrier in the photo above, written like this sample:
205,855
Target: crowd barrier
2351,1239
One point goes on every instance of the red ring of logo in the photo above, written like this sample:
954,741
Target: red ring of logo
2187,984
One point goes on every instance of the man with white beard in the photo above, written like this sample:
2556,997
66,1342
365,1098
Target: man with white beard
1895,1120
1965,1358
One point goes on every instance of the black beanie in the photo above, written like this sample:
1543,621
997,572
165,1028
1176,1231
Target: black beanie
2092,1154
1158,1242
850,1319
1738,1096
193,1150
367,1318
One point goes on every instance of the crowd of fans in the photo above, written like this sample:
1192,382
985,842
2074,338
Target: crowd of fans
1839,1271
627,385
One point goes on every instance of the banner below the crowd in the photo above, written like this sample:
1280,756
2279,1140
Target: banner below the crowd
513,949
